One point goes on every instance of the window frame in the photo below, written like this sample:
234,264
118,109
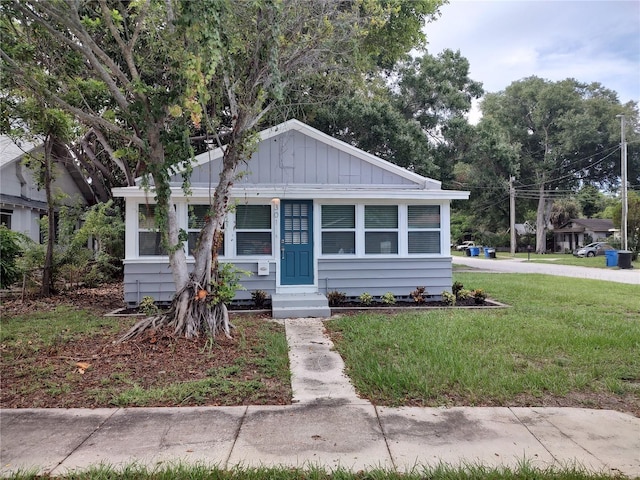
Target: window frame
437,229
388,230
237,232
146,229
353,229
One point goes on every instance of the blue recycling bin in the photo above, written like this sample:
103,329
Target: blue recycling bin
611,257
475,251
489,252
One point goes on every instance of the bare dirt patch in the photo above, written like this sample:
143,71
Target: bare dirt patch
93,371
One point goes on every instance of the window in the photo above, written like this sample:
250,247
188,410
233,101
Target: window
253,230
338,229
381,229
424,228
149,242
197,218
5,217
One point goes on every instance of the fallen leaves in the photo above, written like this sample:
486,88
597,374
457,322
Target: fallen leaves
82,367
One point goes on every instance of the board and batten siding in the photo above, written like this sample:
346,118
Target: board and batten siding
377,276
154,279
294,158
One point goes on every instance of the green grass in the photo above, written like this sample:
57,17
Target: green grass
44,329
442,472
561,336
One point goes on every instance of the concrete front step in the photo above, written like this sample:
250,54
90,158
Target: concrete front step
293,305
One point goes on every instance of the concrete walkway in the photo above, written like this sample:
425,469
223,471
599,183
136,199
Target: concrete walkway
519,265
328,425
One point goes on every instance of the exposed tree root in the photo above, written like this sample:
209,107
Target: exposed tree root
189,316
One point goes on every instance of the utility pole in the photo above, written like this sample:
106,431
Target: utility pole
623,171
512,214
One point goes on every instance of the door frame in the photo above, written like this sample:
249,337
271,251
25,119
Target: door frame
302,288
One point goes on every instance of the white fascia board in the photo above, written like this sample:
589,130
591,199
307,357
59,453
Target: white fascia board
352,192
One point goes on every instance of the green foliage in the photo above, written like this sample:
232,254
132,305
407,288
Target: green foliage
479,295
148,306
633,219
224,289
449,298
388,298
336,298
365,298
10,249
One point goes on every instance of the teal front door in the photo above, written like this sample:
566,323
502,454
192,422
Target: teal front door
296,242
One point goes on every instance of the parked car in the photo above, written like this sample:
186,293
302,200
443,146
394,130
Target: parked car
593,249
465,245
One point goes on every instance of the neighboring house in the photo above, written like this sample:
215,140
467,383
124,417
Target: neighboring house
572,234
313,215
22,203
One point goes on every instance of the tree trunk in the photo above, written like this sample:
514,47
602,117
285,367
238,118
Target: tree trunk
47,271
193,310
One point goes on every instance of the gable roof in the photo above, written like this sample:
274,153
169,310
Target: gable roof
294,159
590,224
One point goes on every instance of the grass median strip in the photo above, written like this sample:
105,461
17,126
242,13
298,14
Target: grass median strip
564,342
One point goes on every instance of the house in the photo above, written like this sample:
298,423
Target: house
313,215
22,202
580,232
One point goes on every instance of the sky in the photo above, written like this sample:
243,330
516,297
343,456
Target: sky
507,40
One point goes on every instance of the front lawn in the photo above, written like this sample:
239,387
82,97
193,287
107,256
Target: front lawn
565,341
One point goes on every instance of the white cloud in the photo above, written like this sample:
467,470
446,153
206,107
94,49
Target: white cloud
505,41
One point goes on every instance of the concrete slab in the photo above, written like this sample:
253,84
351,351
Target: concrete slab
455,436
32,439
149,436
325,434
317,370
601,440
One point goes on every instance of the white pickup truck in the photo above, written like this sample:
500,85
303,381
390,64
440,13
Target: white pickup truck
465,245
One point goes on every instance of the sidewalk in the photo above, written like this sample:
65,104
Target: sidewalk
328,425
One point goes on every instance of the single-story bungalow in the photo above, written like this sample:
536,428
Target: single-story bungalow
312,215
578,232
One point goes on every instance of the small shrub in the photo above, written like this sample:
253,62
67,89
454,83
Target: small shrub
389,298
224,289
259,298
148,306
10,249
448,298
419,295
456,288
463,294
336,298
366,298
479,295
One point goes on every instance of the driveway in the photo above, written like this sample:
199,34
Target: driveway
519,265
